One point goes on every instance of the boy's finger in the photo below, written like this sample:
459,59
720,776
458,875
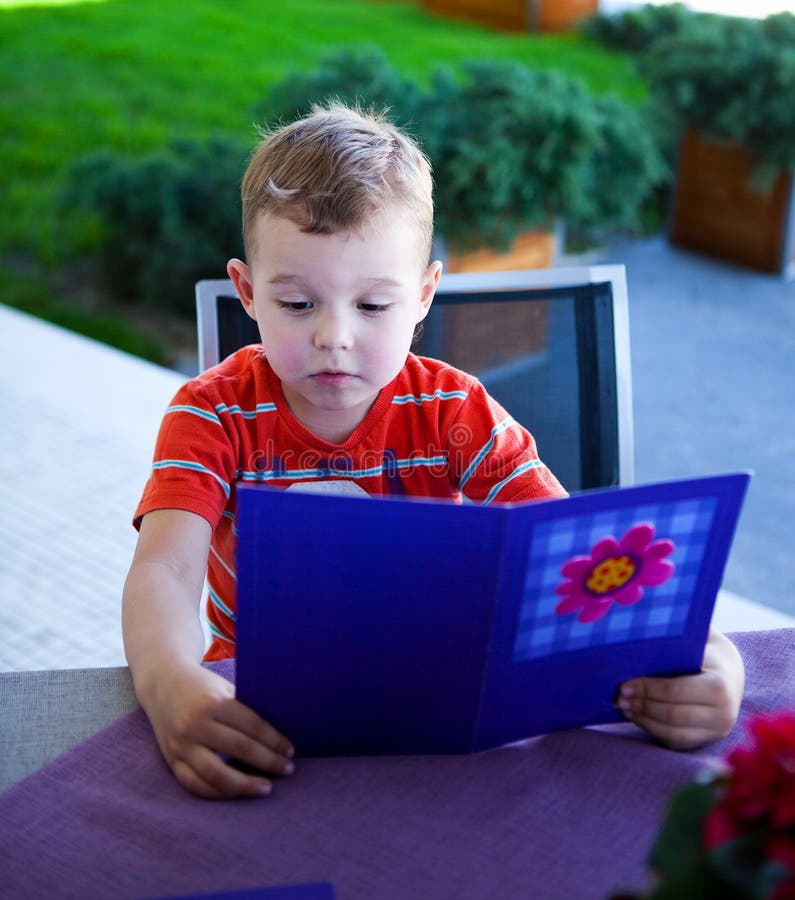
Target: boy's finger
243,719
675,737
190,779
685,689
207,775
680,725
236,745
675,715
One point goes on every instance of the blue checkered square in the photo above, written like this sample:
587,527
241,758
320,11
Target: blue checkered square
662,611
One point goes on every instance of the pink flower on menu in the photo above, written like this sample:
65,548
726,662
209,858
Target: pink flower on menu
615,572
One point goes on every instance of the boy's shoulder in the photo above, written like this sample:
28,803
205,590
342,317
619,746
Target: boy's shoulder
242,373
425,373
241,363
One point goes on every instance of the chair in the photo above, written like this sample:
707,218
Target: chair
551,345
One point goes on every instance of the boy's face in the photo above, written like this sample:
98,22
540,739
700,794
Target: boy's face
336,312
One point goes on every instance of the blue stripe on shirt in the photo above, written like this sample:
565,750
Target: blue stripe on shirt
219,604
350,474
235,410
485,450
402,399
216,632
191,467
519,470
194,411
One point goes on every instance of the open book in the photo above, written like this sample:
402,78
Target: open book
368,625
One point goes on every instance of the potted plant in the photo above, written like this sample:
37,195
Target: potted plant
519,151
727,84
730,833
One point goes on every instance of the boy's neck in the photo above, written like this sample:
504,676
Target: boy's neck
335,426
333,432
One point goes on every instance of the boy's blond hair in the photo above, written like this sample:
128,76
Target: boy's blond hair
333,170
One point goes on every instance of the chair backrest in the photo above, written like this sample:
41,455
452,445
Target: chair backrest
551,345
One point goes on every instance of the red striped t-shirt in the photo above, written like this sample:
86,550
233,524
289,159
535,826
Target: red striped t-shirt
432,432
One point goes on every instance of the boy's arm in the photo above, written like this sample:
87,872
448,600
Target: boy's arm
193,711
691,710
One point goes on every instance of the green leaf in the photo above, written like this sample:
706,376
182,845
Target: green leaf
701,883
743,865
679,849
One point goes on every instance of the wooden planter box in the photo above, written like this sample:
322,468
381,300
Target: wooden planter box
517,15
718,212
530,250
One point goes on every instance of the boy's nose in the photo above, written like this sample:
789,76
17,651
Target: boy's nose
333,333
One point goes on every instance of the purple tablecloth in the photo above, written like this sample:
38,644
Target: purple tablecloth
567,815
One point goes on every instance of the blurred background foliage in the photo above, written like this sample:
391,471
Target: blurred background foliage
126,125
121,81
732,79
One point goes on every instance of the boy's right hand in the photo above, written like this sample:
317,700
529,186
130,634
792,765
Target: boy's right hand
198,724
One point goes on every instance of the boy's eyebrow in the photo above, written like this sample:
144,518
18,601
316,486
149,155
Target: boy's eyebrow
374,281
283,279
377,281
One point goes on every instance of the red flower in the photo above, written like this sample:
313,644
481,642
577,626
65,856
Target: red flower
760,790
782,850
733,833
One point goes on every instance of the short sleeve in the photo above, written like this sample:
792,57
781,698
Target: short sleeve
194,459
493,457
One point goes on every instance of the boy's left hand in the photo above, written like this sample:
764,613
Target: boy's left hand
690,710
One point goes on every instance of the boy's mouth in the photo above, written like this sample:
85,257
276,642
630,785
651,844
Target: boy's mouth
332,378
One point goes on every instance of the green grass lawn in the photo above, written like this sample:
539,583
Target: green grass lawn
131,75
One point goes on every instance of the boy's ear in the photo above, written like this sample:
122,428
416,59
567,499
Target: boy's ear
430,281
240,274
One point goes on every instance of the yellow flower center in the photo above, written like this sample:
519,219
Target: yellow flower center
610,574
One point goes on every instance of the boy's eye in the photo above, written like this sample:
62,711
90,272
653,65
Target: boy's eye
374,308
295,305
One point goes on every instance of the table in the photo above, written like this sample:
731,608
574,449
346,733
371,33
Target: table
565,815
45,713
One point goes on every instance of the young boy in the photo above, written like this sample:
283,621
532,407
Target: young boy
337,224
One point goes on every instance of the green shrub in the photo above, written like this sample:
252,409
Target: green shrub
624,185
38,297
509,146
734,80
160,223
635,30
514,148
780,28
358,76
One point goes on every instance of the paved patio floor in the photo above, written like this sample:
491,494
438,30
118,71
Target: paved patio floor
79,421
